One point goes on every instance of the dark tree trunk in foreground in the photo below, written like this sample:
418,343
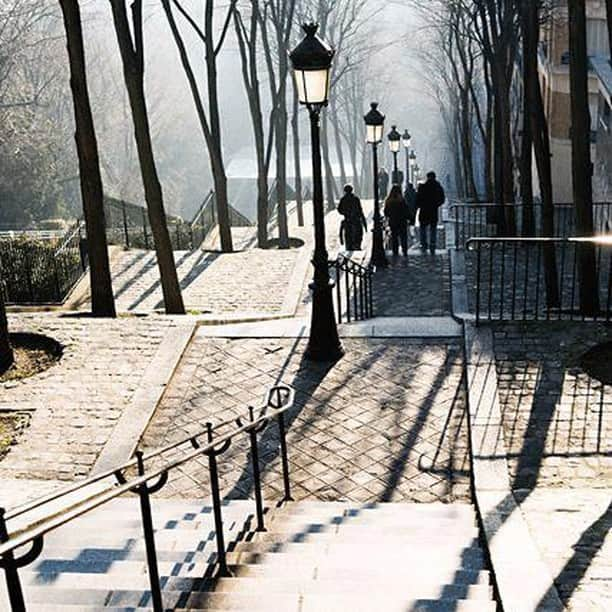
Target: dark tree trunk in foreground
132,56
530,27
295,128
102,299
582,168
609,20
6,352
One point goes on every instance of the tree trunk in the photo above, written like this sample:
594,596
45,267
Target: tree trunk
582,167
338,144
102,299
132,57
330,180
218,168
6,351
530,24
295,129
609,20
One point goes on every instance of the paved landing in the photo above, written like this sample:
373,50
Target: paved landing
385,423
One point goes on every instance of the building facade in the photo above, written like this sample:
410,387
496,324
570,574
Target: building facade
554,76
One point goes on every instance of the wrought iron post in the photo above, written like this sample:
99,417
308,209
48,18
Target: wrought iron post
11,574
324,342
378,258
144,490
216,500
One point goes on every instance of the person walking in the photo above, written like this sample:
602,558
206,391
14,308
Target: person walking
354,223
410,195
383,183
430,197
396,212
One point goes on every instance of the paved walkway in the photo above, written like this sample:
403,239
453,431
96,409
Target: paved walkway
557,430
74,406
384,423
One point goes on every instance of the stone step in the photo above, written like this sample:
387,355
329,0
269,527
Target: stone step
468,559
369,546
368,535
176,600
399,573
317,523
421,588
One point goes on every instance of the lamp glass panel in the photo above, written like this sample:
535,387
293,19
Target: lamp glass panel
312,86
374,133
407,142
394,146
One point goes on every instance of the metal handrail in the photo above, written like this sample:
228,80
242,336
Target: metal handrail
205,204
280,398
358,281
604,239
20,510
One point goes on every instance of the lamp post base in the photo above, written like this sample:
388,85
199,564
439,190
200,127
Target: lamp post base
324,342
378,258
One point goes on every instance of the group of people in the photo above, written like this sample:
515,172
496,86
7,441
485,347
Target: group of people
400,210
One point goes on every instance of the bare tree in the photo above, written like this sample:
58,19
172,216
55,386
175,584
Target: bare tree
210,122
582,167
132,56
102,300
249,41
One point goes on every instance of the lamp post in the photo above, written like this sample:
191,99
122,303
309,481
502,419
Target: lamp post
394,146
412,158
407,141
312,61
374,121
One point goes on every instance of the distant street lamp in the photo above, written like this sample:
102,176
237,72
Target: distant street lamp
394,146
412,166
374,121
312,61
407,141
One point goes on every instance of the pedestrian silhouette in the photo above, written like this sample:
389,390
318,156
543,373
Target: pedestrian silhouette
383,183
354,222
430,197
396,212
410,195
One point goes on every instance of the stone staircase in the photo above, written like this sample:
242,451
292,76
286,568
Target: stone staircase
314,556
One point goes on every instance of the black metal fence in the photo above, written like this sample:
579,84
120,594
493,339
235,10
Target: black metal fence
40,271
204,220
353,289
128,225
512,280
152,471
481,220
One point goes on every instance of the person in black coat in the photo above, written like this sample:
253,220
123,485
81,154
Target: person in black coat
383,183
430,197
410,195
396,211
354,223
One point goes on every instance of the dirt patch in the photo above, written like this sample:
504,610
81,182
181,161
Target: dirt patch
11,426
597,362
33,353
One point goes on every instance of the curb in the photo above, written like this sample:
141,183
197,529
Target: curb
523,580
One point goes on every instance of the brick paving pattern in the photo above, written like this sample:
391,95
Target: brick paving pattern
416,285
75,404
387,422
558,434
251,281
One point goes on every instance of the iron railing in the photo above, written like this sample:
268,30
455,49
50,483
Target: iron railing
473,220
353,289
95,492
204,220
38,272
128,224
511,282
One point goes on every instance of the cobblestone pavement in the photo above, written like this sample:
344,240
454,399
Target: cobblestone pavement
416,285
557,424
212,282
387,422
74,405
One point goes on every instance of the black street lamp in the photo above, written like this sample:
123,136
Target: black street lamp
407,141
394,146
312,61
375,121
